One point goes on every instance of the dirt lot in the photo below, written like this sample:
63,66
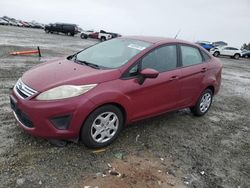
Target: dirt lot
172,150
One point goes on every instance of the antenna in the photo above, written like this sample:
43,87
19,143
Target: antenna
177,33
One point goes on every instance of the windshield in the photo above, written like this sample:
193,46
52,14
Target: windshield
113,53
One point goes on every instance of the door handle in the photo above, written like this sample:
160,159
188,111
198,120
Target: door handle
204,69
174,78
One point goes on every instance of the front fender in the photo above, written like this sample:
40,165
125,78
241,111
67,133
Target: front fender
100,97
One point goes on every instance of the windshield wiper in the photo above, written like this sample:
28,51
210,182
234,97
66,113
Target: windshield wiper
87,63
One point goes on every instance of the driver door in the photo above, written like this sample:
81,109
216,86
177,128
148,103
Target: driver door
225,51
160,94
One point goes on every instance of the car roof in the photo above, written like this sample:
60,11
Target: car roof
65,23
229,47
155,40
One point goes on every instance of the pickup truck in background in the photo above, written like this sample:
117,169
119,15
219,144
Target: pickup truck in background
103,35
89,34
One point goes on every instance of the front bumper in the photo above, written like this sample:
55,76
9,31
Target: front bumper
35,116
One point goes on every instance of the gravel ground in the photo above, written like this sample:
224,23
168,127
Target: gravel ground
171,150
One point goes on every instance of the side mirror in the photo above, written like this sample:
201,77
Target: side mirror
70,57
147,73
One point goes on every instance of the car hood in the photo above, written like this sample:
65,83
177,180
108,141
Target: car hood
65,72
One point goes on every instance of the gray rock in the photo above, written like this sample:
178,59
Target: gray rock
20,181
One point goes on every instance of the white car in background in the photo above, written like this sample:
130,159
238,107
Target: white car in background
226,51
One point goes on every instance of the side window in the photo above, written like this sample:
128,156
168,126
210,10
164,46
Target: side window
190,56
205,56
132,72
161,59
58,26
234,49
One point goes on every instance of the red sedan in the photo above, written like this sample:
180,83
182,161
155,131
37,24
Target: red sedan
93,94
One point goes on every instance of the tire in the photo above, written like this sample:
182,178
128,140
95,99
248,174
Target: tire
72,34
94,128
216,54
236,56
103,39
83,36
46,30
200,108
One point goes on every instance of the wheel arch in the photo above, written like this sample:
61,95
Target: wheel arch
237,54
118,105
211,87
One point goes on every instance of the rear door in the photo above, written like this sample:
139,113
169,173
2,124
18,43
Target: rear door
233,51
193,71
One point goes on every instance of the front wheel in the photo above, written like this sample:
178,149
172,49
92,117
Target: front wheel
102,126
216,54
203,104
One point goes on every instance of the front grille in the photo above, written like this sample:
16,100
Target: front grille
23,90
21,116
21,93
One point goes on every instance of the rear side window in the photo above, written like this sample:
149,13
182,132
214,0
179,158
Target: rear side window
68,27
161,59
190,56
234,49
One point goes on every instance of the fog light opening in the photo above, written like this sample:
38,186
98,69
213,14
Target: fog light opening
61,122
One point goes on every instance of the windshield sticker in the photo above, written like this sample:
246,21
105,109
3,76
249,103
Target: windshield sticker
137,47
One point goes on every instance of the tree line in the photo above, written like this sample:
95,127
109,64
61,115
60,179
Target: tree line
246,46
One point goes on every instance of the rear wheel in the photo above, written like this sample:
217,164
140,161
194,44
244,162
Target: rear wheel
46,30
203,104
84,36
236,56
103,39
102,126
216,54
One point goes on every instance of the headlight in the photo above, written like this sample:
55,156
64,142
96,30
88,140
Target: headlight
64,91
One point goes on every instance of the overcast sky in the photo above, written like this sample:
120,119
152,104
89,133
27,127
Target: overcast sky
211,20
